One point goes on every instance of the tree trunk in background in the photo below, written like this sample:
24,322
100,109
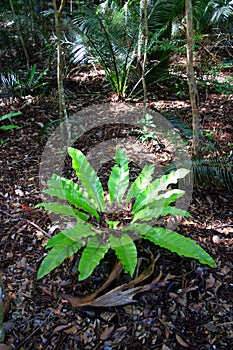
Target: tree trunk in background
20,34
143,6
191,77
62,104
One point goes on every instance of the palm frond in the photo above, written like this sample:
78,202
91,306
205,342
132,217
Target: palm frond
215,171
209,172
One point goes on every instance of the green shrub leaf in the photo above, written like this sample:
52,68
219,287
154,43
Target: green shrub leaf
70,191
58,208
173,241
88,178
161,184
91,257
79,232
10,115
141,182
160,206
119,178
57,255
126,251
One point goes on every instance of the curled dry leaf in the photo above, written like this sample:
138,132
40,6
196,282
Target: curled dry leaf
107,333
181,341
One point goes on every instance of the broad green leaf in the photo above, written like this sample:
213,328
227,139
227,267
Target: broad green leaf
79,232
126,251
175,212
91,257
56,256
67,189
58,208
141,182
173,241
119,178
161,184
59,240
10,115
8,127
88,177
159,206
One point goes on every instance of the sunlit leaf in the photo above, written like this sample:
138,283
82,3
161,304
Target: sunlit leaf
88,178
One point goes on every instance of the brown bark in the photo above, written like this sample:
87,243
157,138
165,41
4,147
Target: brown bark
193,93
60,85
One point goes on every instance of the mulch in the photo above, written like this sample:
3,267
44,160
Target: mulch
181,304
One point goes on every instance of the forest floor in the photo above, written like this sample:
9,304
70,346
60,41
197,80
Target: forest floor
181,304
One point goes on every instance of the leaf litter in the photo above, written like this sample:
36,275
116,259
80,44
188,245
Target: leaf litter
171,303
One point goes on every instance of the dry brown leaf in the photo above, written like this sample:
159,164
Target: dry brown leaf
4,347
146,273
61,328
71,330
121,295
210,282
107,333
181,341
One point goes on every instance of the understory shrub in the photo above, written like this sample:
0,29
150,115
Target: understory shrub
95,231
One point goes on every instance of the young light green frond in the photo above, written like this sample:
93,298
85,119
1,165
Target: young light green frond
175,212
179,244
141,182
161,184
58,208
79,232
58,240
88,177
119,178
126,251
158,207
91,257
63,188
57,255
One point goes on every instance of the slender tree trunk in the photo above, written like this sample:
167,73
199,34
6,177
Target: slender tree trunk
193,93
146,38
61,93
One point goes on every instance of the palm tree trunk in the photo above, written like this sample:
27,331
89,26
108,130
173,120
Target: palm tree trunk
193,93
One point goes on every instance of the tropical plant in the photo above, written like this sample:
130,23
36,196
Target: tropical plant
9,116
112,35
14,84
97,229
109,37
210,171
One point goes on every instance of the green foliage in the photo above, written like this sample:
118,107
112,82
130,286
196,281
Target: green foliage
210,171
112,35
119,177
218,171
15,84
94,235
9,116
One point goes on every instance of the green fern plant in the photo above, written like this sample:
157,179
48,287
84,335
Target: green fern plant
96,230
